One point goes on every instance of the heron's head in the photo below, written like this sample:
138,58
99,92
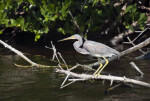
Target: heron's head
75,36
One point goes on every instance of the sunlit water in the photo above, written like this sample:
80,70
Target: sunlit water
32,84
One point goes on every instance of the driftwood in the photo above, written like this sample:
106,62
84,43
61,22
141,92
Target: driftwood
33,64
83,77
136,68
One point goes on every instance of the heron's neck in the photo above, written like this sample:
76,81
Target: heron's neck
80,42
77,45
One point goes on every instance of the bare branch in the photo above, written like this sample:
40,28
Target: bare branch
65,80
63,60
132,49
54,52
140,34
114,87
74,67
74,21
135,67
67,84
111,81
30,66
105,77
23,56
131,42
17,52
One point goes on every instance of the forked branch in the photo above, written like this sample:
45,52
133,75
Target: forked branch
83,77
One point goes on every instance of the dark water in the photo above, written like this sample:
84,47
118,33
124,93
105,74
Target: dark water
32,84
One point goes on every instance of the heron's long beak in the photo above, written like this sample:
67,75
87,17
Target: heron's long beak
72,37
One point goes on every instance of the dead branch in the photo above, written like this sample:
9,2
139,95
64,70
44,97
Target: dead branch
139,46
62,60
136,68
30,66
111,88
132,42
23,56
103,77
74,21
144,8
143,56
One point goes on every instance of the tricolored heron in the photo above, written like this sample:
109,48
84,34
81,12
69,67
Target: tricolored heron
93,48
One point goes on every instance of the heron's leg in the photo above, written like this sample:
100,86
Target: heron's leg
106,63
101,65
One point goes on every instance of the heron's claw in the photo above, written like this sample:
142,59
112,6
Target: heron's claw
96,75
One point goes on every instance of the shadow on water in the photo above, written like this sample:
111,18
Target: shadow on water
31,84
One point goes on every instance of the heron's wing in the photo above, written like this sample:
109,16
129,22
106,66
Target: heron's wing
99,49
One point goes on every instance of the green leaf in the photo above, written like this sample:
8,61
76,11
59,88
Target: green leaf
6,22
103,2
142,15
13,22
37,37
46,30
52,18
131,27
61,30
85,7
134,10
21,21
99,12
128,8
95,2
1,31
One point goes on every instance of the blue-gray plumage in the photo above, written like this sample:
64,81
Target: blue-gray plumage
93,48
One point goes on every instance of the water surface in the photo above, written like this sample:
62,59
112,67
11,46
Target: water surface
32,84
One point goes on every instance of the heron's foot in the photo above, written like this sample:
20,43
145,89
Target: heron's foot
96,75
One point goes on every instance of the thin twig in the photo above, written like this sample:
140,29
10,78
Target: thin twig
63,60
89,67
131,42
136,68
140,34
54,52
111,88
111,82
76,79
23,66
87,28
143,55
65,80
83,5
138,31
74,21
67,84
38,65
74,67
60,67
